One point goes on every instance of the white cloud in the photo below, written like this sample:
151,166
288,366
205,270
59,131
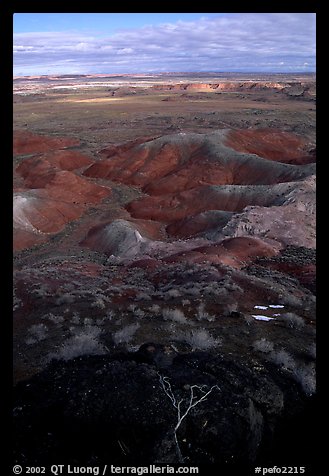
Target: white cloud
250,42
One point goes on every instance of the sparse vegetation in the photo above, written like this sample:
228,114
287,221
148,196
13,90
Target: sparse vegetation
99,303
200,339
172,293
37,332
139,313
55,318
283,359
125,335
83,342
143,297
292,301
17,302
306,376
263,345
75,318
155,309
202,314
303,373
312,350
174,315
292,320
65,299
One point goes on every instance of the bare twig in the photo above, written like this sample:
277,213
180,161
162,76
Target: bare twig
193,401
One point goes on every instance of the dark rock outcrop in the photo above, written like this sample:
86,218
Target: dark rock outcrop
115,408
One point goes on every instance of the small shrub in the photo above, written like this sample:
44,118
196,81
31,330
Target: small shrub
125,334
41,291
75,318
17,302
291,300
87,321
64,299
202,314
193,291
53,318
84,342
233,287
99,303
132,307
155,308
233,307
139,313
292,320
174,315
282,358
305,376
110,315
143,297
172,293
263,345
200,339
37,332
312,351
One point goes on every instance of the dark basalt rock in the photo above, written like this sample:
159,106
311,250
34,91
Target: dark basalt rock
113,409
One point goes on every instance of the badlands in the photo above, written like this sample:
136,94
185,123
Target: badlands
164,252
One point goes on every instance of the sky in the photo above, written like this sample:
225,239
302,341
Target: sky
114,43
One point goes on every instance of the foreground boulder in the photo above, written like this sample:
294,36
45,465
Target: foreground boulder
122,409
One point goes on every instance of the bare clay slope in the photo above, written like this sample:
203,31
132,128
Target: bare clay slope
51,193
183,161
206,308
198,184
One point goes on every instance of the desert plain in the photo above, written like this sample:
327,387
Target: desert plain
164,265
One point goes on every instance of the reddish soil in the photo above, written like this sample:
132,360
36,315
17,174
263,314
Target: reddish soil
192,225
270,144
179,162
50,193
169,208
305,273
233,252
26,142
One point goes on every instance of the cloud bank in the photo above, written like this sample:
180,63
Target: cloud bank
269,42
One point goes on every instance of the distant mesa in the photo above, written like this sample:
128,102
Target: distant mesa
292,90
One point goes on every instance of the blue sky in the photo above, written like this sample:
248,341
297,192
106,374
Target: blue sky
81,43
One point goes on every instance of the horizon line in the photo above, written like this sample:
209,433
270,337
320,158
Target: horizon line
162,73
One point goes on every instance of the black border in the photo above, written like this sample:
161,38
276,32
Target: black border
6,47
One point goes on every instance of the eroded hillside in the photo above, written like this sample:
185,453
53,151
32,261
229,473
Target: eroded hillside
173,262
